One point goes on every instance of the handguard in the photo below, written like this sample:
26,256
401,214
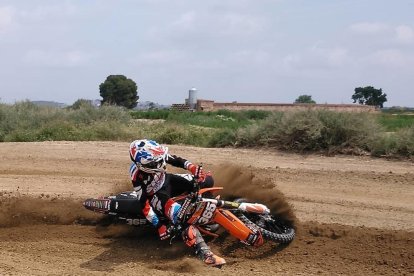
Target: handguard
244,206
254,208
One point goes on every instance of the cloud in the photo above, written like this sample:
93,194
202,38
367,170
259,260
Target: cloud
389,57
185,21
248,58
317,58
206,25
6,18
57,59
405,34
334,57
240,24
160,57
17,18
369,28
42,13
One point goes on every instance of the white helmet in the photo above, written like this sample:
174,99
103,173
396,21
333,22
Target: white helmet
148,155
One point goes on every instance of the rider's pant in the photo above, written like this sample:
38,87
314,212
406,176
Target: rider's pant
192,238
174,185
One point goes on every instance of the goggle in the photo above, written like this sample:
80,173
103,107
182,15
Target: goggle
154,165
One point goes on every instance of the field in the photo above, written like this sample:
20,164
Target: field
355,215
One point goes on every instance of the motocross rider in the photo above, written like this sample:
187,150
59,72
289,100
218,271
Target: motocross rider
154,187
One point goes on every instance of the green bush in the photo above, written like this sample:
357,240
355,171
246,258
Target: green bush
26,121
262,133
347,130
395,144
256,114
405,142
186,135
223,138
299,131
207,119
151,114
312,131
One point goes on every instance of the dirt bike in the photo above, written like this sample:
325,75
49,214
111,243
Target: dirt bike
251,223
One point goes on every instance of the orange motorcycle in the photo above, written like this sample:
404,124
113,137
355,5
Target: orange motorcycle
251,223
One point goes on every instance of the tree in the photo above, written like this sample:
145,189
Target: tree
118,90
369,96
305,99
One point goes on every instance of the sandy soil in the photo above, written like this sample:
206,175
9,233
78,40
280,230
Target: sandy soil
354,215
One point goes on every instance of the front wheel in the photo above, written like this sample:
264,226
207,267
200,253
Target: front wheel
272,227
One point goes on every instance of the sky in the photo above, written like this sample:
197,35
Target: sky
262,51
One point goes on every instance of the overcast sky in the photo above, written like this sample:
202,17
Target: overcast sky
230,50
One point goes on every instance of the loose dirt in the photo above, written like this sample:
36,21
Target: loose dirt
354,215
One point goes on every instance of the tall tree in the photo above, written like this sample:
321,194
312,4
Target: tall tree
369,96
119,90
305,99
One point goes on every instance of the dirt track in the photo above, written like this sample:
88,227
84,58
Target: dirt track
355,215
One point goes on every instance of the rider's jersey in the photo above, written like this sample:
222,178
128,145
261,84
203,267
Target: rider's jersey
147,184
152,182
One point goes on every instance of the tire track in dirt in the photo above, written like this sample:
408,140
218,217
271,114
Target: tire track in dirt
357,213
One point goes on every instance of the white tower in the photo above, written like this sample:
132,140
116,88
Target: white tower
192,98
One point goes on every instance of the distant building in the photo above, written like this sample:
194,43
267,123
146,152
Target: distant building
194,104
190,103
207,105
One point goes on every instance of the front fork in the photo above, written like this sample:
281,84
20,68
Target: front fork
224,217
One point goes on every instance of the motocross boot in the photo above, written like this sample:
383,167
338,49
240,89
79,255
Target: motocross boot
209,258
193,238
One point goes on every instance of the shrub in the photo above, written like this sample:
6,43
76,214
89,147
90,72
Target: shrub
405,142
151,114
262,133
299,131
312,131
256,114
223,138
395,144
350,131
26,121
